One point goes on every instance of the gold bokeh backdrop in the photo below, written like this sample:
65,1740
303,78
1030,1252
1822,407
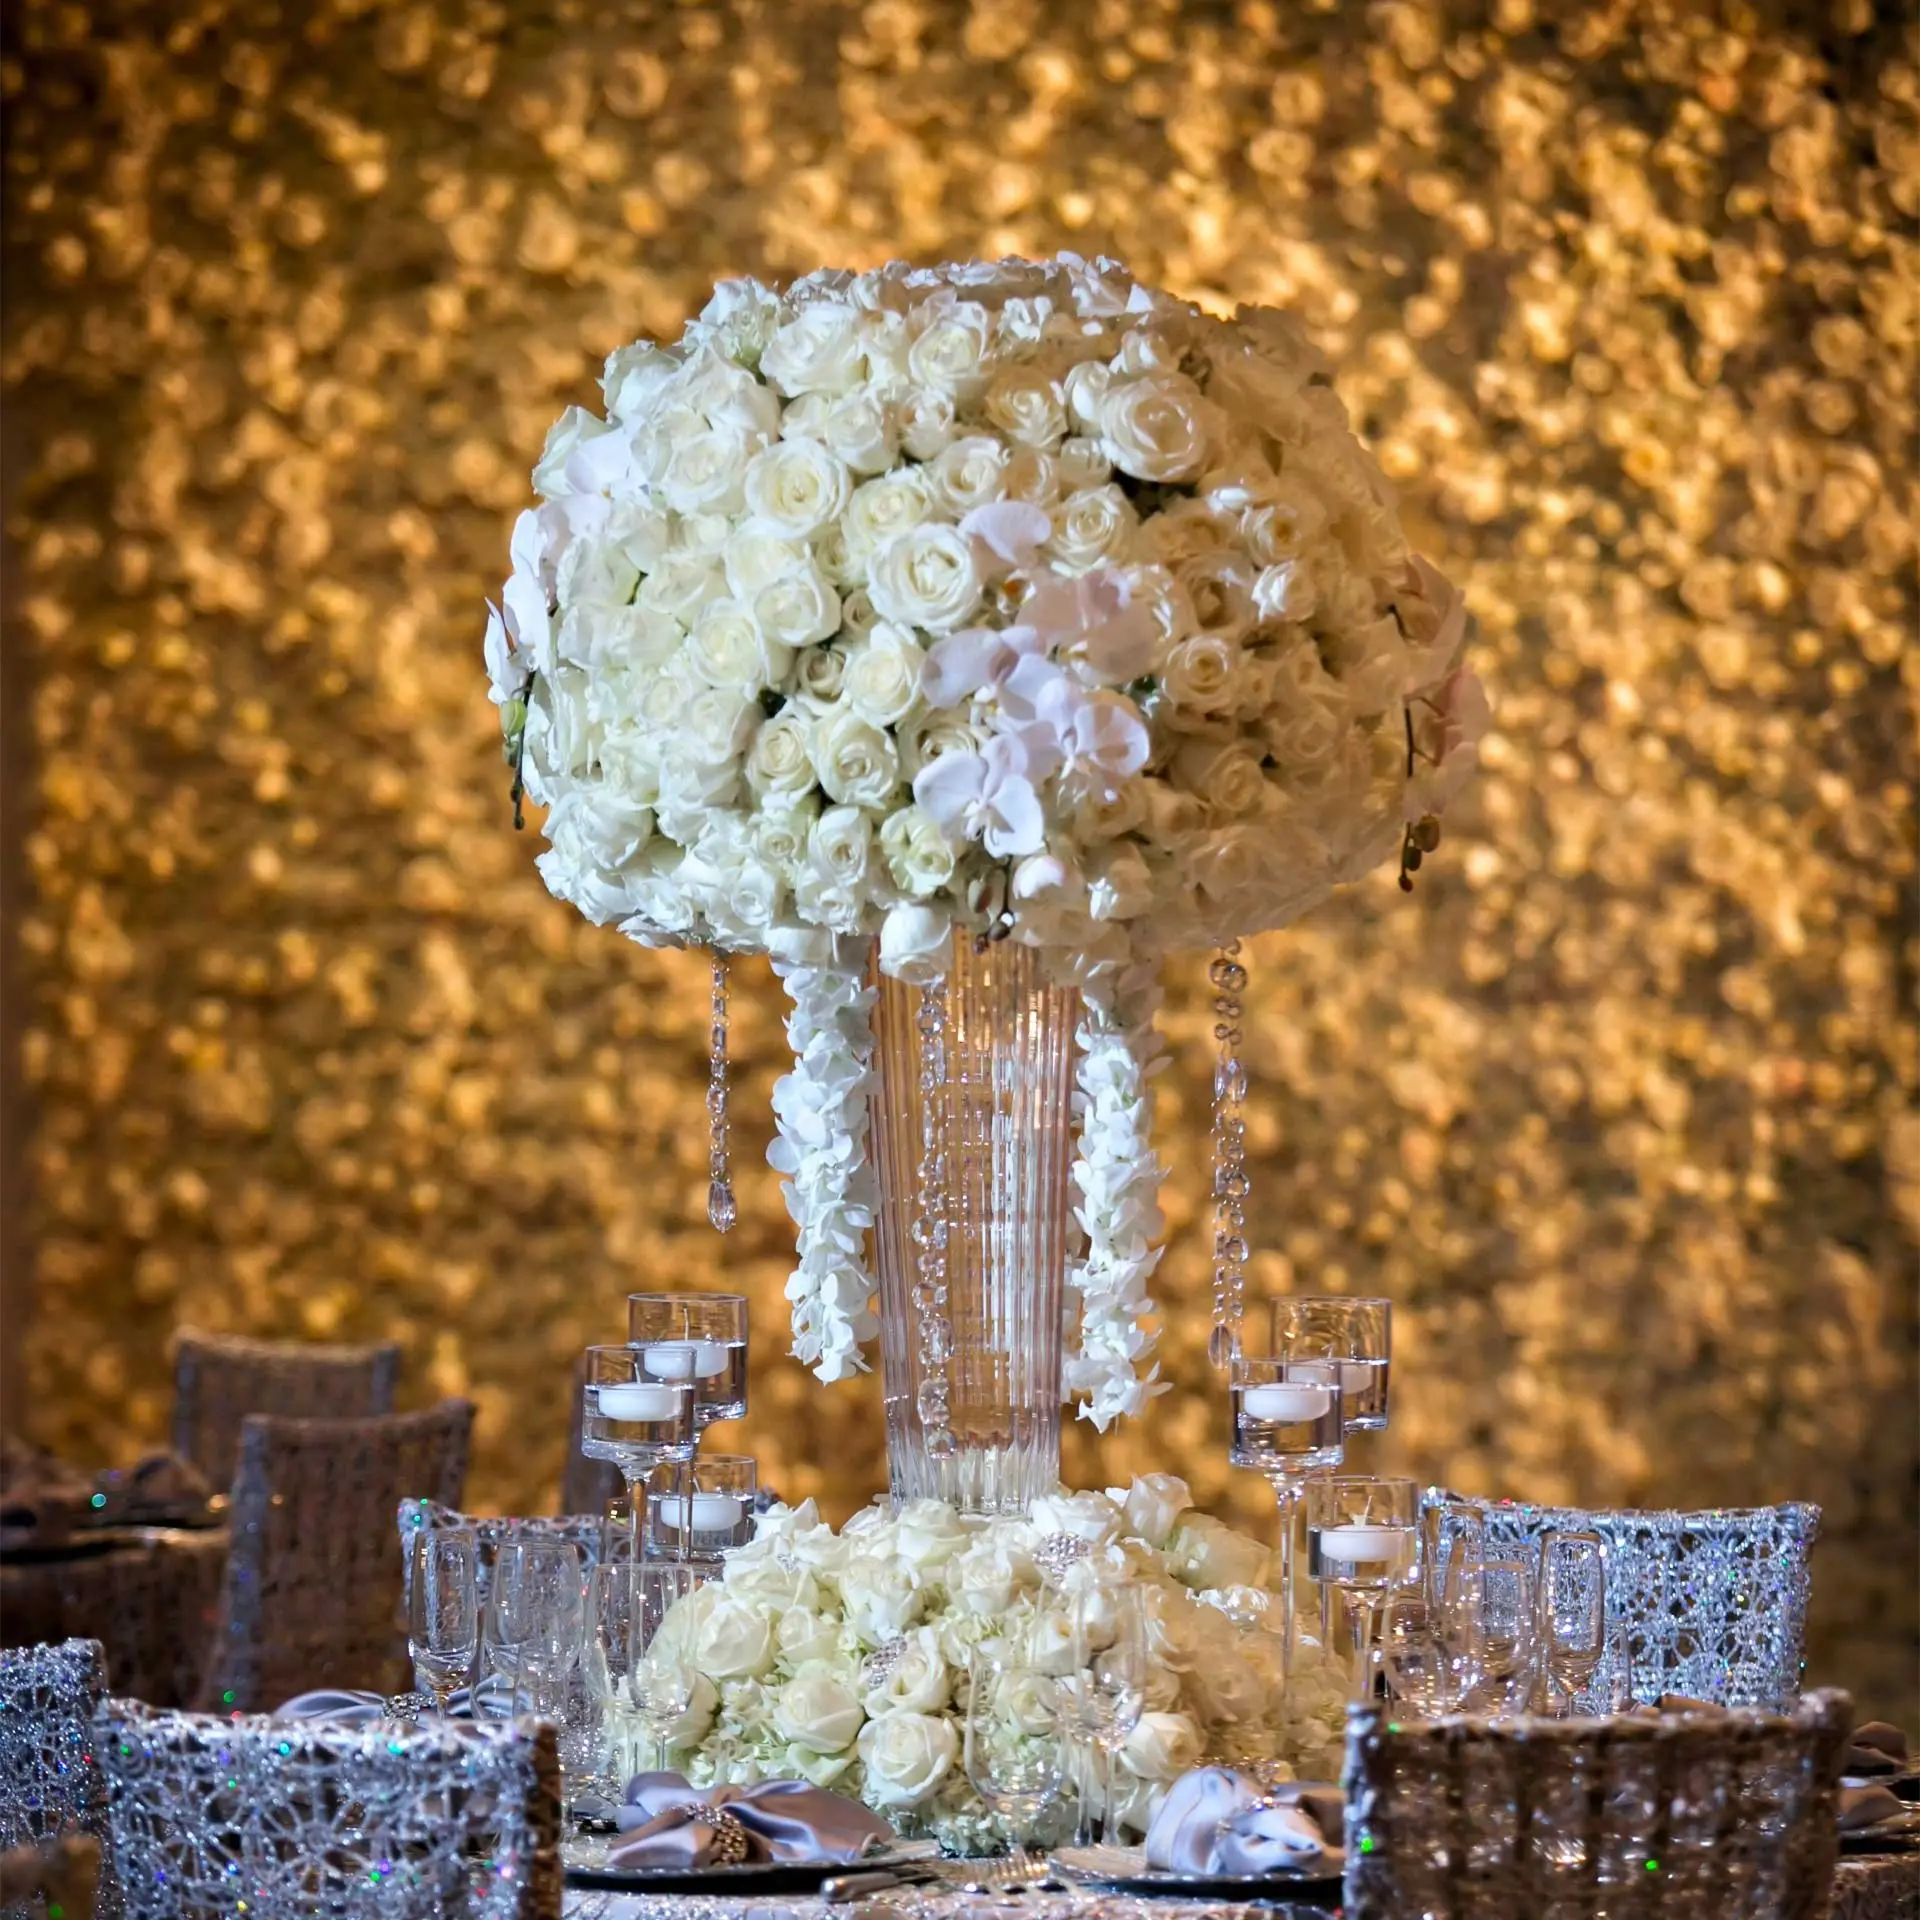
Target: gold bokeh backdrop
1618,1108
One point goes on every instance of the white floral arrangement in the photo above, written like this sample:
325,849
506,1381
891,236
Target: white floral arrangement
783,1643
1011,599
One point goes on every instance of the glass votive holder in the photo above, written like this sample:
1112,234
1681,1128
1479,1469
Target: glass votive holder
699,1509
698,1337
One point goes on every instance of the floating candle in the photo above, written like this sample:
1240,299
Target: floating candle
1356,1376
684,1359
641,1401
1358,1542
1284,1401
712,1512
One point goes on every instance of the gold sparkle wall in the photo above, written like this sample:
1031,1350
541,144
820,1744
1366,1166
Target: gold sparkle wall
1619,1108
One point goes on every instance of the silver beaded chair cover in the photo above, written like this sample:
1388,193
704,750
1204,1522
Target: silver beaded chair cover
49,1784
1649,1817
1715,1602
218,1379
313,1588
56,1880
217,1815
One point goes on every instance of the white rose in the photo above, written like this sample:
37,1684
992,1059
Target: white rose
1053,1647
917,853
926,578
880,1597
1156,427
926,422
818,673
859,428
1202,674
1033,476
1089,1516
1220,586
928,738
740,319
1162,1746
928,1533
948,353
1152,1504
1086,388
681,585
780,762
838,844
1028,407
817,1710
1120,887
817,351
734,1641
1090,528
714,726
756,556
992,1574
1282,525
914,943
856,761
1083,463
882,681
906,1757
1111,811
967,474
1227,1687
916,1682
799,609
1226,779
1205,1552
706,471
883,508
802,1635
574,427
797,486
727,649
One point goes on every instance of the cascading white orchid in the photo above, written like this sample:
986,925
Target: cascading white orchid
1013,598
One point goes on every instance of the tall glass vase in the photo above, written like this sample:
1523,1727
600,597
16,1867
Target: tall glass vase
972,1141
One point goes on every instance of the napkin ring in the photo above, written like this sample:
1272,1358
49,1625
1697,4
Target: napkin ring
403,1709
730,1843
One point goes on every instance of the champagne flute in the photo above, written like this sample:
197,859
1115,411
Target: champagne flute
1109,1641
1572,1616
1426,1667
1013,1752
1288,1422
613,1636
443,1610
533,1614
1494,1600
1360,1538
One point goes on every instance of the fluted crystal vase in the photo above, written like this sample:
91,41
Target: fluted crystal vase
972,1141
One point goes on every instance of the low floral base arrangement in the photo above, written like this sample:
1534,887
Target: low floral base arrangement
784,1642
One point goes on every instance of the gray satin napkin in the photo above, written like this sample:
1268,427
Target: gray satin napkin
351,1707
1862,1807
1214,1821
1876,1748
786,1821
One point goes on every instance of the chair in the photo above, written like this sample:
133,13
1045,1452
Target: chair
1715,1602
150,1599
58,1878
49,1785
1656,1817
218,1379
586,1486
363,1823
313,1586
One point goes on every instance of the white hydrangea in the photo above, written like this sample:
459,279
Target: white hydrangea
894,594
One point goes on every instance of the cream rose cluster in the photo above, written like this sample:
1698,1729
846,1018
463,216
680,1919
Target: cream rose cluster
789,1688
1014,598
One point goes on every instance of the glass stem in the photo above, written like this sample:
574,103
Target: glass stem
1110,1824
1365,1607
1086,1832
1287,1492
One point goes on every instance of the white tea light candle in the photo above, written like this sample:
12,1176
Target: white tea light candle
684,1359
1285,1402
1359,1542
711,1512
641,1401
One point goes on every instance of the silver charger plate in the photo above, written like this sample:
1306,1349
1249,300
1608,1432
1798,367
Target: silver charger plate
1125,1870
587,1867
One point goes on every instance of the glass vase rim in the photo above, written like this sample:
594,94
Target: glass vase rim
1306,1366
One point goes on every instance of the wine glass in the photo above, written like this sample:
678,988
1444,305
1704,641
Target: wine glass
1356,1332
1426,1666
1360,1539
1288,1422
443,1610
533,1615
1572,1622
1448,1528
613,1639
1494,1602
1013,1751
1108,1690
662,1683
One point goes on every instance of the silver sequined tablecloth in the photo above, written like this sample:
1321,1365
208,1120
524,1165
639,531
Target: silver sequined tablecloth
921,1902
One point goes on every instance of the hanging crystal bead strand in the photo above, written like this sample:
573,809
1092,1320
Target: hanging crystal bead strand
933,1328
1229,980
720,1204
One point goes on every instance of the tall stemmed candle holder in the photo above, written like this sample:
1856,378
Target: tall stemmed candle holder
635,1417
701,1339
1288,1422
1362,1531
